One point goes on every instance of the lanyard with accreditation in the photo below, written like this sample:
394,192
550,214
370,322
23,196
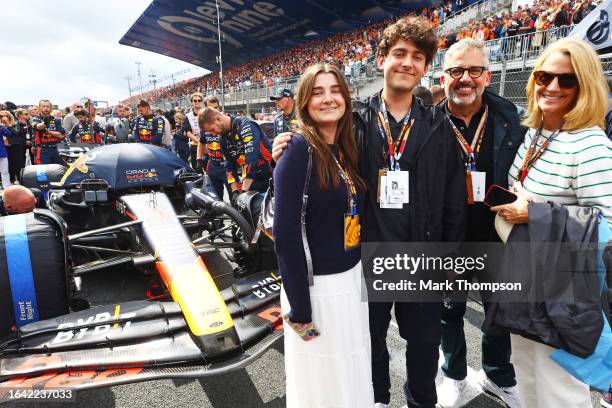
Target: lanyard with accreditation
475,181
352,227
392,181
533,153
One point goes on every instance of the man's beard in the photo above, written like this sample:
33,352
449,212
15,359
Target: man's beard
458,100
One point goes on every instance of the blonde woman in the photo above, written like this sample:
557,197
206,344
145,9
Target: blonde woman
327,339
566,158
180,139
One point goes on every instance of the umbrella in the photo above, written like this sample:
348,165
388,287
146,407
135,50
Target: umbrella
126,165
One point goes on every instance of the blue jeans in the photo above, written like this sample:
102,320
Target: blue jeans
48,155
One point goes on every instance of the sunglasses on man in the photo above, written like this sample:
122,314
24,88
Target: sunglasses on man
566,81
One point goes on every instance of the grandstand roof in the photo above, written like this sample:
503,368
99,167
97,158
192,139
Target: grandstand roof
186,29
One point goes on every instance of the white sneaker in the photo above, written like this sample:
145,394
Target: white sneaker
449,392
381,405
510,395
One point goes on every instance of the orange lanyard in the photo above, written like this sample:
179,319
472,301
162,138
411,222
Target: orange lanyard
532,154
350,186
470,152
396,150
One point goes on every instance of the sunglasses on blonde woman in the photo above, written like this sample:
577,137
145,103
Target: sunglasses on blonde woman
566,81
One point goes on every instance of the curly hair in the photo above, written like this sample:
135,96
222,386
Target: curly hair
416,29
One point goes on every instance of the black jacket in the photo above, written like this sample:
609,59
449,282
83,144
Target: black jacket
508,134
437,208
18,134
562,303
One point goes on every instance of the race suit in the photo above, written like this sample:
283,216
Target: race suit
215,164
245,145
284,124
148,129
88,133
44,143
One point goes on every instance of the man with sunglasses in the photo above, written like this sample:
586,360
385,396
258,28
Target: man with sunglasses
488,132
192,129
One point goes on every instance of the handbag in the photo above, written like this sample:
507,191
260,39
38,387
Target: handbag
265,223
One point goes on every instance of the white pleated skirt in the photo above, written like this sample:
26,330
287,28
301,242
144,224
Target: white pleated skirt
333,370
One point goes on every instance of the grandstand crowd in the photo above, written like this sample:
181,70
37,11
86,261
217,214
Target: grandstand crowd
354,51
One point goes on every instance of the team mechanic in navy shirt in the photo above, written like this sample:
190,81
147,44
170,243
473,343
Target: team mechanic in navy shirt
327,354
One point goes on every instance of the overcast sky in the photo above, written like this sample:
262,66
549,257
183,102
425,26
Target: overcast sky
66,49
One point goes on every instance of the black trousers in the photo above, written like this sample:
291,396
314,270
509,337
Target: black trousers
419,324
193,150
496,349
16,159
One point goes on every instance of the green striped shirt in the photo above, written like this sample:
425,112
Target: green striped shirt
575,169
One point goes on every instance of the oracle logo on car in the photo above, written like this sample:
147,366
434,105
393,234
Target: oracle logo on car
241,19
141,174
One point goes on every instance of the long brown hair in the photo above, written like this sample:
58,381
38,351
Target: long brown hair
326,166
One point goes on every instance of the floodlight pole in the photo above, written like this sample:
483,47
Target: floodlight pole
139,77
129,86
220,58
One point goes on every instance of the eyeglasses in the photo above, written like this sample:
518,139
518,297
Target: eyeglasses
473,72
196,100
78,107
567,81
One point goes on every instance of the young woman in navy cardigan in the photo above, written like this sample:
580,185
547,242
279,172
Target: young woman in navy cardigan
327,340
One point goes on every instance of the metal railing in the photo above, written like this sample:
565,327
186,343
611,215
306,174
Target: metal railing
511,60
241,95
506,54
517,49
473,12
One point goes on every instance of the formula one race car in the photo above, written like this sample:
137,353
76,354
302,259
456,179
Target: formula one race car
138,212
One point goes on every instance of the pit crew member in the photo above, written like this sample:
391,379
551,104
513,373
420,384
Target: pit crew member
48,131
243,143
148,128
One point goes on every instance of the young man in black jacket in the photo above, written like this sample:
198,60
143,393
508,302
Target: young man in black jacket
488,132
435,211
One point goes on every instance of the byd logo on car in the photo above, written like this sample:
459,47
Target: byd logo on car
64,336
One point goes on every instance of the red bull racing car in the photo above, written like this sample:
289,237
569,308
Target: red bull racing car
139,211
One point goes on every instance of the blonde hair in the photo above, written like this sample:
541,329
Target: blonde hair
179,118
589,108
9,115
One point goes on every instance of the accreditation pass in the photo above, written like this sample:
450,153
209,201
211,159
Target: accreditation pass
393,189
